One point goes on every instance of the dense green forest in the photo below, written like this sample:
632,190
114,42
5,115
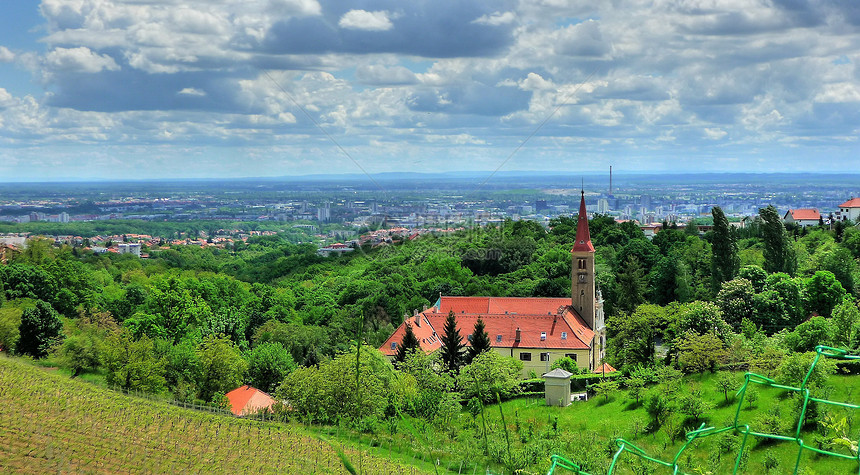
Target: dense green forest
197,322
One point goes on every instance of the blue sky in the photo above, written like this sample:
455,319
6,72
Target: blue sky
195,88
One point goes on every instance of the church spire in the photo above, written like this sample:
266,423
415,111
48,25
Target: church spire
583,237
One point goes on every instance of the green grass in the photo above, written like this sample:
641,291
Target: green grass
602,422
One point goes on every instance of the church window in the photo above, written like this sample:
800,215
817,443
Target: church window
581,264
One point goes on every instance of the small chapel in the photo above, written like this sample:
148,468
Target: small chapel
534,330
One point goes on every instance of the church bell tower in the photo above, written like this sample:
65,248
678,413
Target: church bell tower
582,287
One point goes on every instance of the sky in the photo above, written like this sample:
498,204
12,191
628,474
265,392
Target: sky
142,89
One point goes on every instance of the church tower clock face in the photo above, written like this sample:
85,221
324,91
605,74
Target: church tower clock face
582,278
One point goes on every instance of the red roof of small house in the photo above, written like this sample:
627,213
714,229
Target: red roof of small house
583,237
246,400
605,368
559,323
852,203
805,214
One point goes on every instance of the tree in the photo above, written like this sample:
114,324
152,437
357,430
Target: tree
808,335
698,353
726,383
605,388
724,251
39,330
479,341
222,367
846,316
736,301
756,275
132,364
82,349
635,387
452,345
631,338
631,282
822,292
566,363
488,374
779,254
408,343
693,405
701,317
268,365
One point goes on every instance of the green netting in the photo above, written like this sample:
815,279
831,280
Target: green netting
627,447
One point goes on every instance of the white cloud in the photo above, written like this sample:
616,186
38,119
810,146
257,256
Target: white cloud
79,60
496,19
365,20
191,91
840,92
6,56
715,133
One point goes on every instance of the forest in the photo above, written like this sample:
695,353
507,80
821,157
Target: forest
193,323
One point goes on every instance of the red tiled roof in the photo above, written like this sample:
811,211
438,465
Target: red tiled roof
852,203
248,400
532,316
805,214
583,237
606,368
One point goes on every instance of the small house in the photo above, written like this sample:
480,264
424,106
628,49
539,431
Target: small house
246,400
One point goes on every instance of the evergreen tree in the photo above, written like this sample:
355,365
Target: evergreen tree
631,282
39,329
724,251
480,342
452,345
779,255
408,343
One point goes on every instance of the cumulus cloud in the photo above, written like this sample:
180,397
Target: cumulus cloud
364,20
79,60
382,75
6,56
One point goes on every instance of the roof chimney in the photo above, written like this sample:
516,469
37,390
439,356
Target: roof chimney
518,335
417,320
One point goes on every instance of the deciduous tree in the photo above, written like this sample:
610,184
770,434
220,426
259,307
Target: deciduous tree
39,330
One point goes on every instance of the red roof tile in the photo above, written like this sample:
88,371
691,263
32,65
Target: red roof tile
852,203
532,316
248,400
804,214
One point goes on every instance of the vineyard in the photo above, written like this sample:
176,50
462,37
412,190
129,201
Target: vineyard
49,423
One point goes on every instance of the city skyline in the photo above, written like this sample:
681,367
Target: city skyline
190,89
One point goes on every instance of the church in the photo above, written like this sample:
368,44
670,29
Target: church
535,330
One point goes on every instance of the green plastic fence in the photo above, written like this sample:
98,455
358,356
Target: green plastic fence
626,447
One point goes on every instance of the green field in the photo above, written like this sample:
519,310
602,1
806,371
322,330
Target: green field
50,423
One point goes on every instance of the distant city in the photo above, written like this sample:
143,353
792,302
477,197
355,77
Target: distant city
338,208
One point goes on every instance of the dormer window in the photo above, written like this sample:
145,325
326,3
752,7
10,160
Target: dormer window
542,336
498,338
393,345
564,335
470,338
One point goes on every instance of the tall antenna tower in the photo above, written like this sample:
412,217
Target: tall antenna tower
610,180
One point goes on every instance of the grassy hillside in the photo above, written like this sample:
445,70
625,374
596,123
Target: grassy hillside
49,423
586,431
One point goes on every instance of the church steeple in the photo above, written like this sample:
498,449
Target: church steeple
583,237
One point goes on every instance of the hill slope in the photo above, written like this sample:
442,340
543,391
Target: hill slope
49,423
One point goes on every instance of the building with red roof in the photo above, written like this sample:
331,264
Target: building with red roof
534,330
246,400
850,210
802,217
